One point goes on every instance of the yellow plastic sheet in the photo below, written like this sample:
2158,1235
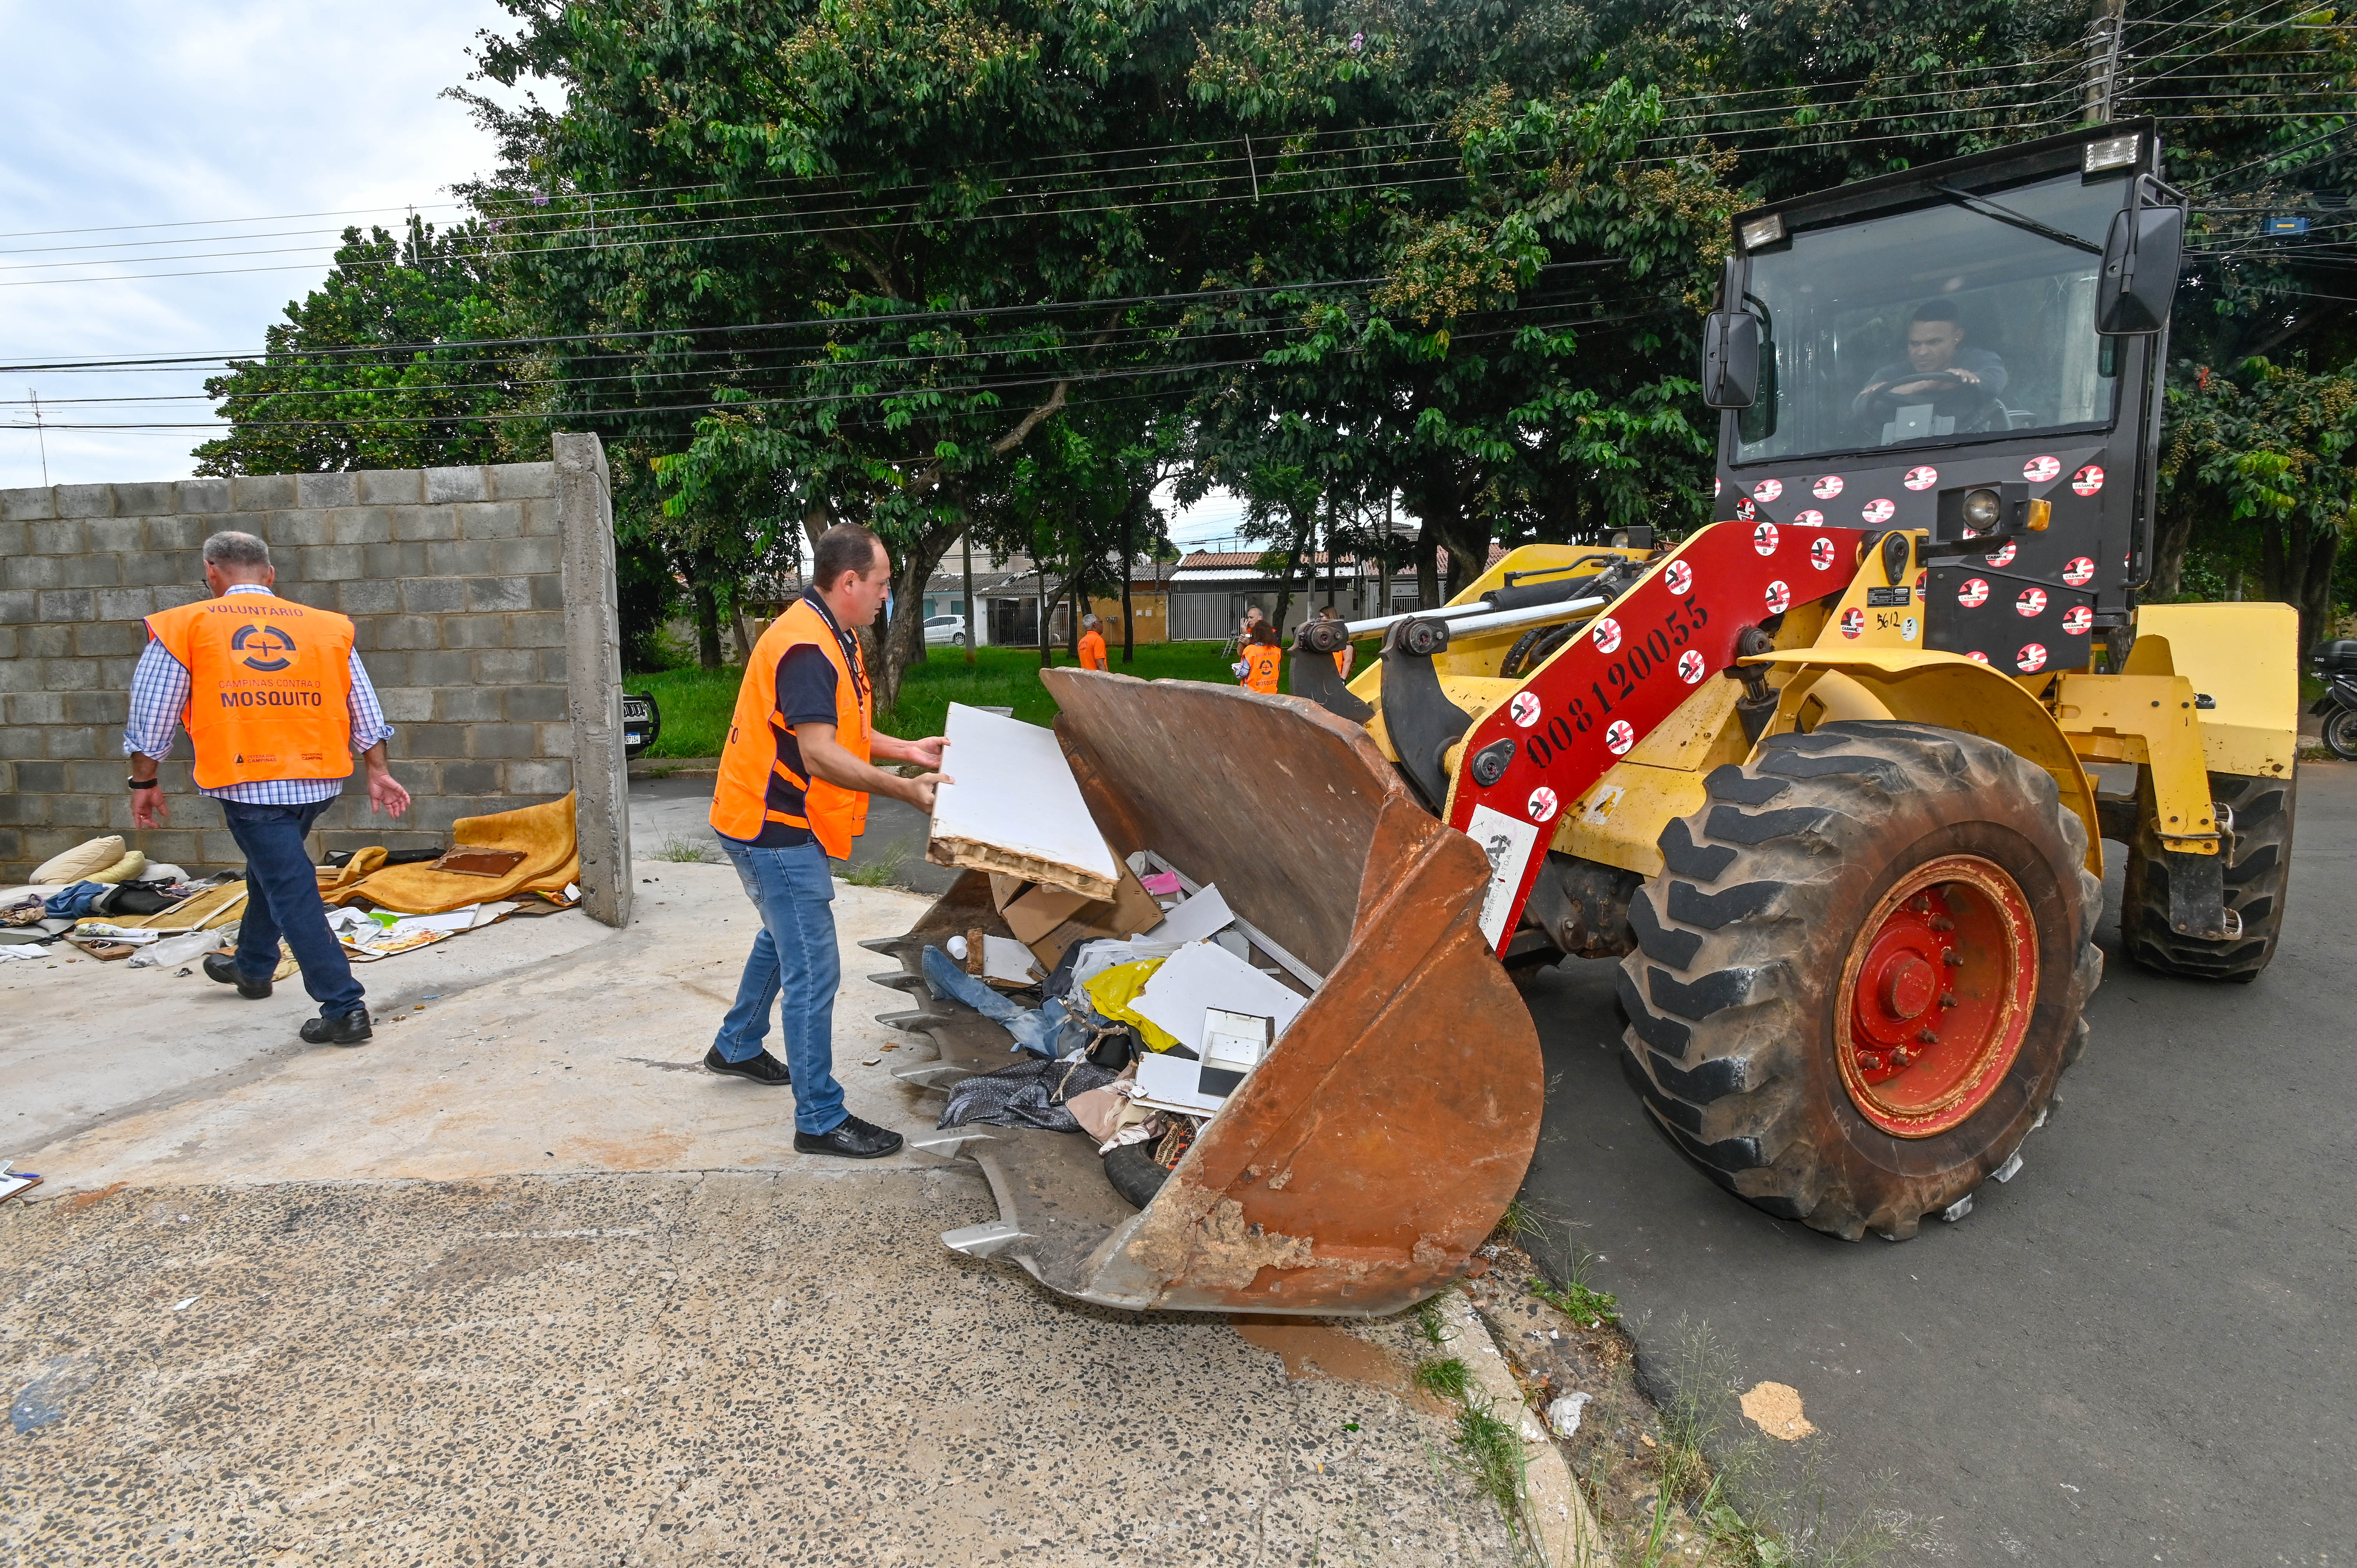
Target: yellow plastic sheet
1112,992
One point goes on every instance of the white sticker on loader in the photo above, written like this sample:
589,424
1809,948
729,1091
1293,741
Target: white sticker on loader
1508,841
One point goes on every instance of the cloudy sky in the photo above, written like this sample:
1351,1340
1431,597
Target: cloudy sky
176,173
147,139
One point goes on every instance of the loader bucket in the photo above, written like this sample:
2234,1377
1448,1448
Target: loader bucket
1356,1169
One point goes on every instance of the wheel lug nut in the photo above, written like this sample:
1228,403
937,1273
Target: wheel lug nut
1952,960
1927,1036
1947,999
1942,923
1919,904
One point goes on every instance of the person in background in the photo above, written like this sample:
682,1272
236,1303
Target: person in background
1344,654
1262,660
1251,621
794,779
1092,643
276,701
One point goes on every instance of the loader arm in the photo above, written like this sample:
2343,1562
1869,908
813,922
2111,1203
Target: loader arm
1638,663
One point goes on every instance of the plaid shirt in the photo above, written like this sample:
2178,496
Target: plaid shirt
160,695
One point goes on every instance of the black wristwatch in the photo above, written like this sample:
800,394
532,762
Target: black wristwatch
144,783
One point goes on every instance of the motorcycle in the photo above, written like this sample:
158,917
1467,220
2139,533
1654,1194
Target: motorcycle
2335,663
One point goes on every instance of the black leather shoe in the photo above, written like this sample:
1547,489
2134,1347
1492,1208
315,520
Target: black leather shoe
352,1030
763,1069
853,1139
223,967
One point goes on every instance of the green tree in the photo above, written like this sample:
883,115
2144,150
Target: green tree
2256,468
385,365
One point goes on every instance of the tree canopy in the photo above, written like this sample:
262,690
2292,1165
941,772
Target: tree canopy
1001,267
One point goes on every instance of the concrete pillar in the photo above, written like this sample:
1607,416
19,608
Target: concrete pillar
593,669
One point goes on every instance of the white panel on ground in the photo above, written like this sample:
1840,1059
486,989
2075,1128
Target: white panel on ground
1015,807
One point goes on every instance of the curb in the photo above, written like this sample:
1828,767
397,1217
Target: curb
671,767
1558,1511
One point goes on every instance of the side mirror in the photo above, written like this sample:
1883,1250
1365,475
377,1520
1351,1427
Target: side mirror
2141,257
1730,358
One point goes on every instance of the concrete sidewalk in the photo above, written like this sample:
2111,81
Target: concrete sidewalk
519,1282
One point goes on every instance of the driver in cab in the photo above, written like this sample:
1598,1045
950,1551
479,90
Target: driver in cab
1939,368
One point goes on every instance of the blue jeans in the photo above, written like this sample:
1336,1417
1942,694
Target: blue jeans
282,899
794,963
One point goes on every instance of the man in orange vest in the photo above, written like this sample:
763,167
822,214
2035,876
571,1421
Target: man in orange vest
1262,660
1092,646
276,701
795,776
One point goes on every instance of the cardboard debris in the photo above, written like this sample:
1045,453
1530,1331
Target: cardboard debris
1050,920
1015,809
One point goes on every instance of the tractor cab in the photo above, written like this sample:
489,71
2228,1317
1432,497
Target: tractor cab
1974,350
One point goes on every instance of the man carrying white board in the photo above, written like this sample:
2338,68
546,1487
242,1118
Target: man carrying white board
794,780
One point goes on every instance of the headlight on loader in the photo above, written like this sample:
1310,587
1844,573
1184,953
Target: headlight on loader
1983,509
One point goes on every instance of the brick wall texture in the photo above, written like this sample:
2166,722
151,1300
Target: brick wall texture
450,574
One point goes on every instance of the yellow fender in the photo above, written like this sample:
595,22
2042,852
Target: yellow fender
2245,658
1943,689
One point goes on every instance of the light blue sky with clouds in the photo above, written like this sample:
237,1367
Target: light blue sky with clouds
173,174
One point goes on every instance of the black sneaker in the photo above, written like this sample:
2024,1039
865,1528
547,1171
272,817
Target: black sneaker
852,1138
763,1069
352,1030
223,967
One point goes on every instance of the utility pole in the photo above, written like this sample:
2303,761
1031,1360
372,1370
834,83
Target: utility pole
40,435
967,538
2110,17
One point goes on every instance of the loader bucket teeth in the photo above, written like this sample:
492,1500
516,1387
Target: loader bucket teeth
1360,1164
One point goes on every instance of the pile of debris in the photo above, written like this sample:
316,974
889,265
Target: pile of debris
1140,1000
107,902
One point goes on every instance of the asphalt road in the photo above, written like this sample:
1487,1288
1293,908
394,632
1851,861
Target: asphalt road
2138,1351
669,815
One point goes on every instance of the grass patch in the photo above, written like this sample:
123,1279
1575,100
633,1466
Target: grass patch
1445,1376
696,706
698,703
684,852
1430,1323
884,871
1576,1299
1493,1452
1519,1222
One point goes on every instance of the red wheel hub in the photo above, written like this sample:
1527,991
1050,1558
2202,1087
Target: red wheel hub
1935,998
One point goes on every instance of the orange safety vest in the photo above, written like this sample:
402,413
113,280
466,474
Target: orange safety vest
1092,651
1261,663
270,687
755,787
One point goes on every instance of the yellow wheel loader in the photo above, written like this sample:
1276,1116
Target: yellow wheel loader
1818,777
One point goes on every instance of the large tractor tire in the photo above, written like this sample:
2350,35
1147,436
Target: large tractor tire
1861,971
2256,874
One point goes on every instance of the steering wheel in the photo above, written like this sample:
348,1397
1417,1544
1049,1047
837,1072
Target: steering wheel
1965,402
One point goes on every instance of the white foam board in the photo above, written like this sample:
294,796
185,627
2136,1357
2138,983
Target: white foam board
1200,917
1015,807
1204,976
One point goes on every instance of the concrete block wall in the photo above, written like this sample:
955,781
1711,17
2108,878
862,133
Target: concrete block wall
453,576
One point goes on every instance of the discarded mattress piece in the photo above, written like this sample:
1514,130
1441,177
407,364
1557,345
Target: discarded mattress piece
545,834
1015,808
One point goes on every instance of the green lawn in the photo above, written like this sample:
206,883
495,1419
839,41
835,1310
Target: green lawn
696,702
